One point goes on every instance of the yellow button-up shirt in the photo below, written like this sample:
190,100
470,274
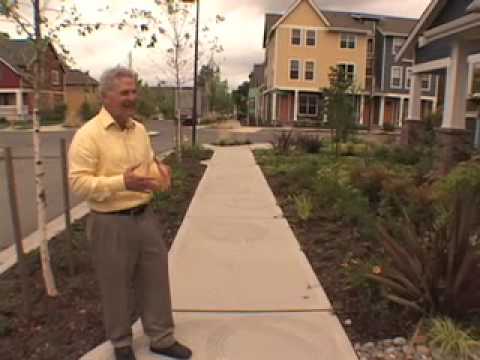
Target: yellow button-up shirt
99,155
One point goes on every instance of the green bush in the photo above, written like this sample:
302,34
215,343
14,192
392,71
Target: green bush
452,341
436,271
311,144
303,206
88,111
465,176
55,115
389,127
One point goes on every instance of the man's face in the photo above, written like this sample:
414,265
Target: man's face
121,100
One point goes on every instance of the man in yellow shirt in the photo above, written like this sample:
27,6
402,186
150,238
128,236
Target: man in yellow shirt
113,166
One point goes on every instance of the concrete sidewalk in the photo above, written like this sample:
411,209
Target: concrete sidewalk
242,288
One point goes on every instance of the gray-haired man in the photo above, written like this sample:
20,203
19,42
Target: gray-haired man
113,165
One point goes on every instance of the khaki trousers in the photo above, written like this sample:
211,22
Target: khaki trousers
131,262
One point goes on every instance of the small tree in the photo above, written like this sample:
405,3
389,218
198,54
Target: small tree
339,106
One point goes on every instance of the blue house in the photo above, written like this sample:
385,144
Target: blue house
446,41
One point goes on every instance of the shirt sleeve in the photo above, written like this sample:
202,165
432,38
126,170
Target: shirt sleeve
83,158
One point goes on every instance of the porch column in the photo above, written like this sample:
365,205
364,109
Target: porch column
400,115
415,101
362,109
452,136
456,89
274,107
19,102
382,112
295,106
414,128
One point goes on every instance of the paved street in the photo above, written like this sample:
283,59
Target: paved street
21,143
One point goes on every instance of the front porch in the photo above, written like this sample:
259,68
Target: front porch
301,107
15,105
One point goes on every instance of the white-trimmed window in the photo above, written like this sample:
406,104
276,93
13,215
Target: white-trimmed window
55,77
294,69
348,41
348,70
296,37
396,77
408,77
308,104
311,38
309,70
397,45
426,82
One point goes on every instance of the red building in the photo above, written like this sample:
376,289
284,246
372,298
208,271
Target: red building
16,79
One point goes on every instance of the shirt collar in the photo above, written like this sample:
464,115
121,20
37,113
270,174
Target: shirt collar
107,120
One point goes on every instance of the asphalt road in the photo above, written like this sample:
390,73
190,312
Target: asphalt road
22,148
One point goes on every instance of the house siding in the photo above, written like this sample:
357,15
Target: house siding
452,10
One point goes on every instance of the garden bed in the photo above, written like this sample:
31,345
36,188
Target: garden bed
70,325
335,204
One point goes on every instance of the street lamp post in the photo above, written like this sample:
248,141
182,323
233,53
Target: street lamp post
195,73
195,78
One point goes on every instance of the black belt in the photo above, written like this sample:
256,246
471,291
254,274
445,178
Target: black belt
135,211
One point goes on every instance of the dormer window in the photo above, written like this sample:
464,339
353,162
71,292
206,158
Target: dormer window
397,45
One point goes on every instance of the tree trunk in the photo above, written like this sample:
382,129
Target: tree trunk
177,105
39,174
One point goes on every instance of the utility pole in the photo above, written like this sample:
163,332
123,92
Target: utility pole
195,79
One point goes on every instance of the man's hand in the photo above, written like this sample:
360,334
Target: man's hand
137,183
166,173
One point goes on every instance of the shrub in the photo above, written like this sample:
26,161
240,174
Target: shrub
283,143
465,176
87,111
303,206
309,144
436,271
54,115
388,127
452,341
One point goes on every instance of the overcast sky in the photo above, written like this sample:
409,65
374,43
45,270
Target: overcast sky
241,34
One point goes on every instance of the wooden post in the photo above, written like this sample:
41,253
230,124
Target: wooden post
66,204
17,232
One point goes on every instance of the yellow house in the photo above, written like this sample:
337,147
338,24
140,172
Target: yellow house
80,88
301,46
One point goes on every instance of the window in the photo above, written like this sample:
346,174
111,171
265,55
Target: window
55,77
311,38
397,45
408,77
309,70
348,70
294,69
426,82
348,41
296,37
396,77
308,104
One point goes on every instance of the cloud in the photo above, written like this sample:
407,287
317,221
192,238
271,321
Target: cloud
241,34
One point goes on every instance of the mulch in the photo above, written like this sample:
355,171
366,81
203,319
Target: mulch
70,325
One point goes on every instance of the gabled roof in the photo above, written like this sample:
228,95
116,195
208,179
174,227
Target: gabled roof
425,20
347,21
19,54
474,6
78,78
